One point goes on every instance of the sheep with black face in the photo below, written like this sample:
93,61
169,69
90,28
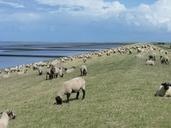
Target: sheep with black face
74,85
6,116
164,90
83,70
164,60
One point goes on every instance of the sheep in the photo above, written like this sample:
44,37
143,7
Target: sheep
83,70
164,90
6,116
6,70
150,62
164,60
40,72
35,66
152,57
61,71
84,60
50,73
71,86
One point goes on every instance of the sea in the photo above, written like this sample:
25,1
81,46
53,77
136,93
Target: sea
17,53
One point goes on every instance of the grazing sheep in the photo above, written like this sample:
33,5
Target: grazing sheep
164,90
40,72
50,73
61,71
84,60
164,60
71,86
152,57
35,66
130,51
6,70
150,62
83,70
6,116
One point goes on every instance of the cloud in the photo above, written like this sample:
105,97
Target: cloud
12,4
86,7
157,15
147,16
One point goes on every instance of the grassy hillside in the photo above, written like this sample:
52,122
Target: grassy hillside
120,93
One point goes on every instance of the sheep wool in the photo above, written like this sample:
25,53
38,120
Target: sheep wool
4,120
168,92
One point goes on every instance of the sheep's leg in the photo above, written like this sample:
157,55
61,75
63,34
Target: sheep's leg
68,95
83,93
77,95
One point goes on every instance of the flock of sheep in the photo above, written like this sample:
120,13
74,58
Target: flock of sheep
55,69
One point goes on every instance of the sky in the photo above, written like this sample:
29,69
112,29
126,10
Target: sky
85,20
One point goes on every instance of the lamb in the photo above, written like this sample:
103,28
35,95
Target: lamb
164,90
71,86
6,116
150,62
83,70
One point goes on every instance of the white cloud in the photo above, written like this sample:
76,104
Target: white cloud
86,7
156,15
14,5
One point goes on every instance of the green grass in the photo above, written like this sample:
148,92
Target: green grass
119,93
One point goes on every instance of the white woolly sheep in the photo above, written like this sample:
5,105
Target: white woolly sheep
6,116
164,90
83,70
71,86
150,62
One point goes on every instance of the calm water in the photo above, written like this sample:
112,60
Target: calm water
16,53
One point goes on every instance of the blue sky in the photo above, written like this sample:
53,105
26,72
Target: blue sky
85,20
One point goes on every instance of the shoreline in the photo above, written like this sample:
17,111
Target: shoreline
18,53
123,49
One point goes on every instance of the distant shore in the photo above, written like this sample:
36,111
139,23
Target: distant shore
14,54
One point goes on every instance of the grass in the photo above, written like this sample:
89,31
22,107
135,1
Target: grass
119,93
